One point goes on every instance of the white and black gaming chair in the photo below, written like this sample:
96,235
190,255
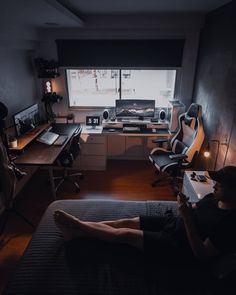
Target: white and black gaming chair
184,146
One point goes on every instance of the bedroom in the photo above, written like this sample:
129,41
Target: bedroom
29,31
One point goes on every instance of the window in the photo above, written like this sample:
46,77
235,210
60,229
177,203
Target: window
149,84
101,87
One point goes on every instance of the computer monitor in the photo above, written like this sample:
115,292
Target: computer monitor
93,121
26,119
135,108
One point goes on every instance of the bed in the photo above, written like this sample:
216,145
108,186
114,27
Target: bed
48,266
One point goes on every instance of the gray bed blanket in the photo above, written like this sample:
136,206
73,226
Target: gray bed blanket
49,266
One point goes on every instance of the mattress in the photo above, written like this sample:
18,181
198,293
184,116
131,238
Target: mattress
48,266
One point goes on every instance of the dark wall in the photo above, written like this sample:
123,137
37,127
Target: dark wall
17,81
215,84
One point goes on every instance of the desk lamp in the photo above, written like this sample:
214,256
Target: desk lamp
207,153
49,98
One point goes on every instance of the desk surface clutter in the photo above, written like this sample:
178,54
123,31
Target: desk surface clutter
27,138
41,154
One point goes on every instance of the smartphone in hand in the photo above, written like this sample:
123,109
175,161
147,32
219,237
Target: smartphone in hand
181,197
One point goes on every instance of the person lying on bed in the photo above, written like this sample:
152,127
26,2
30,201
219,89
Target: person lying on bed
203,230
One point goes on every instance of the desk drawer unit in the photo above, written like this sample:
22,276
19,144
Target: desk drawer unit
115,146
125,147
93,152
134,147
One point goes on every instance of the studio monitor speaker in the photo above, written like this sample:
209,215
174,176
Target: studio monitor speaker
162,115
105,114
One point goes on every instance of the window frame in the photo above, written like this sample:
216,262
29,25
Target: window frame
91,108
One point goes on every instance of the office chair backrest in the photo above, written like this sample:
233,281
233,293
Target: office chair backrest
74,147
190,135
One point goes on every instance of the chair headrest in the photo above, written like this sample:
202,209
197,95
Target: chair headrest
193,110
192,114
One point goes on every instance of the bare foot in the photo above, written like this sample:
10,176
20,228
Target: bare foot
68,224
66,218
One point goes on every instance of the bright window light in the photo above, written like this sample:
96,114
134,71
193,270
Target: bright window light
148,84
101,87
92,88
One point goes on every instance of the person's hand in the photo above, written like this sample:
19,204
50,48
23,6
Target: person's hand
181,198
184,206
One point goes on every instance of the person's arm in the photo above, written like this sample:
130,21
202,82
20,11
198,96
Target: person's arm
201,249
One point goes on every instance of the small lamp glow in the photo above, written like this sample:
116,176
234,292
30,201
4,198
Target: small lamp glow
48,86
207,153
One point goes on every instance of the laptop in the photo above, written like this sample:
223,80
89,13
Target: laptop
48,137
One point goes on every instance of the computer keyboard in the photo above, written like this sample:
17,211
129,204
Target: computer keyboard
131,129
48,137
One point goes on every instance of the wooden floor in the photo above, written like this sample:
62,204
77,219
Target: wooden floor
126,180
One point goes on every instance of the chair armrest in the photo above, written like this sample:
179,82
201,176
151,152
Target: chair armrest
178,157
160,140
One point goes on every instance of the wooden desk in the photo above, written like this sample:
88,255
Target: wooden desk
25,139
40,154
99,145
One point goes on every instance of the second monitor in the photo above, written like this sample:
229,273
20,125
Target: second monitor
27,119
135,108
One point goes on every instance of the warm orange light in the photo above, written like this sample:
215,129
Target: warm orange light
207,154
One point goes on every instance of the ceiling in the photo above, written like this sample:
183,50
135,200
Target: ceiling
72,13
143,6
21,19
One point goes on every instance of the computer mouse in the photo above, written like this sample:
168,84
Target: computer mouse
154,130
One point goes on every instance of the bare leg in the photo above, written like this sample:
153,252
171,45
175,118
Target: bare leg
72,227
67,226
124,223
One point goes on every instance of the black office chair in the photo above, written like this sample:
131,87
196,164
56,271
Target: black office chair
66,160
184,146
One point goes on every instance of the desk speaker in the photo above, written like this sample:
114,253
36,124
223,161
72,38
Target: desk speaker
105,114
162,115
